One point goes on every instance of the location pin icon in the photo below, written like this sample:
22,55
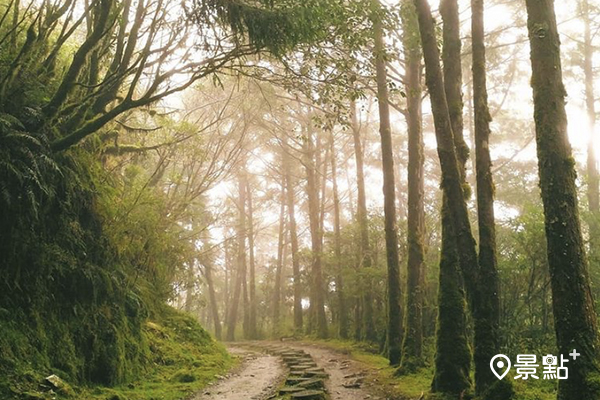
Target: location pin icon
499,362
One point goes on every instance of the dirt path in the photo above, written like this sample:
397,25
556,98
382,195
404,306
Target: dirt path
262,374
256,379
345,375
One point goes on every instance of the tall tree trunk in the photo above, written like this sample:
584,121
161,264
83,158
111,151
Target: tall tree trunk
252,333
590,102
293,238
593,178
575,320
214,308
413,333
278,271
240,275
452,179
487,319
453,356
339,283
317,318
366,326
394,334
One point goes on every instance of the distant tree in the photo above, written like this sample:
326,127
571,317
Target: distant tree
293,232
317,318
240,272
365,326
339,283
277,287
252,332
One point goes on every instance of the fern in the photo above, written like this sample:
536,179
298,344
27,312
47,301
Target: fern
27,171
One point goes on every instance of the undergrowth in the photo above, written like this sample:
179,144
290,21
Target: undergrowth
384,378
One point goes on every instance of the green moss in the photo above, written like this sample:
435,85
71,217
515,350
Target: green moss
183,359
383,378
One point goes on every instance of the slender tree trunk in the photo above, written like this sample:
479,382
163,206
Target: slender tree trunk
323,190
252,333
317,318
575,320
487,318
357,316
240,275
590,102
366,330
245,301
227,291
293,239
413,333
394,334
189,288
339,283
15,22
278,271
214,308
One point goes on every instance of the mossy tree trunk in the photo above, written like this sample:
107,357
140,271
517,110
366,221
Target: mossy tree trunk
453,355
394,328
413,334
453,183
575,320
487,316
365,329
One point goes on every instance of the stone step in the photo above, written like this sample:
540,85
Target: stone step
290,390
295,380
309,395
313,383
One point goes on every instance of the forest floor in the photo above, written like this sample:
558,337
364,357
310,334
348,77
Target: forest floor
262,373
257,377
351,371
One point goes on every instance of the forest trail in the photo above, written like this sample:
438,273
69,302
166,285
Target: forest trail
257,378
296,369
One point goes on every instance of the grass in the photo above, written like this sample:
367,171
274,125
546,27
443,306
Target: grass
179,359
381,376
184,359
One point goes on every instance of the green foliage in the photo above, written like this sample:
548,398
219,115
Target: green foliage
80,277
276,25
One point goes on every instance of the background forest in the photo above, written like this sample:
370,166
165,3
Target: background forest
169,169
